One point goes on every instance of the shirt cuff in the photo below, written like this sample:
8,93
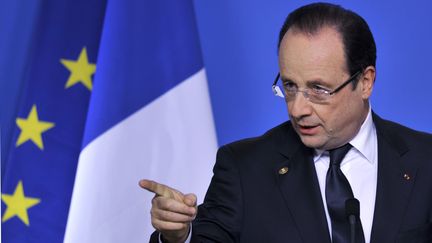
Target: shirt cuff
188,239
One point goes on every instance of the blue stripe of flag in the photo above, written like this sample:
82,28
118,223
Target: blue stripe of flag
147,48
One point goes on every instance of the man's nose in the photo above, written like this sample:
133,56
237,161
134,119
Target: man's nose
299,106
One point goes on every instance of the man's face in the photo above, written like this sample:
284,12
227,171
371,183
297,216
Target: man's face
318,61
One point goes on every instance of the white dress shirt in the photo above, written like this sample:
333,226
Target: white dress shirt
360,167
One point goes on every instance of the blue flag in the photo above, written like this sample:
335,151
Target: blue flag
48,129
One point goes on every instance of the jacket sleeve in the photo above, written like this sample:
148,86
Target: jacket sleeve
219,218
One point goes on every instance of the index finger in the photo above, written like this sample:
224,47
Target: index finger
158,189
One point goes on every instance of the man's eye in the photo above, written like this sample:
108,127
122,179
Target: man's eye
319,89
290,86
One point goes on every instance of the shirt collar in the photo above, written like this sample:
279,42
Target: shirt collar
361,142
366,138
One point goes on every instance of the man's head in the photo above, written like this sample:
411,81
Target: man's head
320,47
359,44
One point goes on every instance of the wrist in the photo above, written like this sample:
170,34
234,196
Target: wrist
176,237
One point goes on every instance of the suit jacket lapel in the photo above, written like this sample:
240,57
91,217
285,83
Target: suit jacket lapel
394,185
300,189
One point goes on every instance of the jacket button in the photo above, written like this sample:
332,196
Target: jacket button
283,170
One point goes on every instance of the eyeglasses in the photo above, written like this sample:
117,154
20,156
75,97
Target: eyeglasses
316,94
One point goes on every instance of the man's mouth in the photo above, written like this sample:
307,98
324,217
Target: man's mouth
308,129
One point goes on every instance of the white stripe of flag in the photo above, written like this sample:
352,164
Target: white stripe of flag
171,140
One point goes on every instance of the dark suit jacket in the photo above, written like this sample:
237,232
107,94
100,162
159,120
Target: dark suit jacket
249,201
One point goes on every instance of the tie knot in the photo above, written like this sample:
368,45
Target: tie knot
337,154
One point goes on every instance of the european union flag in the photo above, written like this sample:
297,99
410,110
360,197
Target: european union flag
61,61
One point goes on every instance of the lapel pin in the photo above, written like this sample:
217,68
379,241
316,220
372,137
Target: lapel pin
283,170
407,177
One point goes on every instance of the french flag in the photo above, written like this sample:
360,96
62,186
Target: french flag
149,117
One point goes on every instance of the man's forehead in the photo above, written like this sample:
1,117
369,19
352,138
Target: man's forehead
312,56
324,31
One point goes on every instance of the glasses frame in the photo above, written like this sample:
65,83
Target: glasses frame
276,90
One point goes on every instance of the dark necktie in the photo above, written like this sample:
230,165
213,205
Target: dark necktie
337,191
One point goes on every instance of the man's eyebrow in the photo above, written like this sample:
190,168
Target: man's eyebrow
286,80
318,81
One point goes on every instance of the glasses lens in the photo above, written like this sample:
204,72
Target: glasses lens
317,97
290,94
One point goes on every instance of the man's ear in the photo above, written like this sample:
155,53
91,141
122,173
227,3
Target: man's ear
367,81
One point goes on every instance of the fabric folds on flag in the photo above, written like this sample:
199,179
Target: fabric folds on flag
59,69
149,117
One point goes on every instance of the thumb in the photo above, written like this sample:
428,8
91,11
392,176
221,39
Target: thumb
190,199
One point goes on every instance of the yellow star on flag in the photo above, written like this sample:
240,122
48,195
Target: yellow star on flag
32,128
18,204
81,70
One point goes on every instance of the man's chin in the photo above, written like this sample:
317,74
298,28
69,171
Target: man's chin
312,142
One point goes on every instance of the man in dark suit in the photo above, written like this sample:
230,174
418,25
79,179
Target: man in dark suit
296,182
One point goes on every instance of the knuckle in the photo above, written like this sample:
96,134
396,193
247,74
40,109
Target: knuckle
169,204
184,226
168,216
155,224
156,200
